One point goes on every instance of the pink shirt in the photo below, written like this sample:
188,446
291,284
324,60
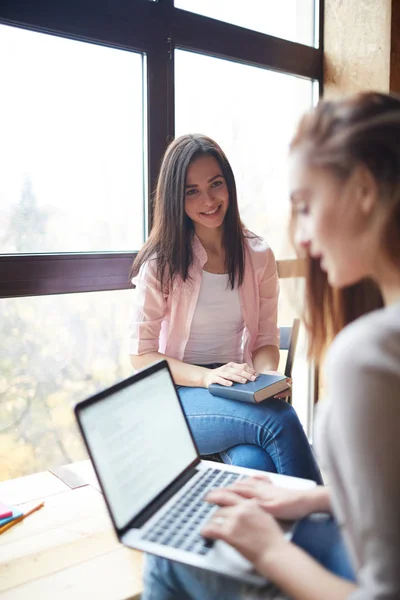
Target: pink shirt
161,320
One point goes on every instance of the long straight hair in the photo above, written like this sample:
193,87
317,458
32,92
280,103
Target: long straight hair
328,310
171,236
339,136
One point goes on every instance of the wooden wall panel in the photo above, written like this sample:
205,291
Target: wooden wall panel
395,48
357,44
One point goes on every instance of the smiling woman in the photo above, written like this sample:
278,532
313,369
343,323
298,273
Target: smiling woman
207,200
206,204
205,298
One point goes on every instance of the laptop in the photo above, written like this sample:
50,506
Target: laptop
152,476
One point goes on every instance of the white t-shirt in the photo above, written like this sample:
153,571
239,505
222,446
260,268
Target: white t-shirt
216,332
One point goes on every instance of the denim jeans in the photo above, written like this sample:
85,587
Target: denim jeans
266,436
167,580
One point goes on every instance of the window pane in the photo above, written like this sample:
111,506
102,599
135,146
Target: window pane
55,351
71,145
252,114
288,19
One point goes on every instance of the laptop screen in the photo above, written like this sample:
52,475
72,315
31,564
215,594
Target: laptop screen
139,442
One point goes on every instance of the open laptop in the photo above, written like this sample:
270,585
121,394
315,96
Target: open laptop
152,476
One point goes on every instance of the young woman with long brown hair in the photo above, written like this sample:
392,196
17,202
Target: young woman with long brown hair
345,192
205,298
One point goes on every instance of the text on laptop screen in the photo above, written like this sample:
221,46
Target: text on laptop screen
139,441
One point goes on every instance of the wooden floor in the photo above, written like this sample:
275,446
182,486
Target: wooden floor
68,549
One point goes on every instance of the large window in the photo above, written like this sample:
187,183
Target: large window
71,145
91,95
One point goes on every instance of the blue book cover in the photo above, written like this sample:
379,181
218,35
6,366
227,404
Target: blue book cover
15,514
265,386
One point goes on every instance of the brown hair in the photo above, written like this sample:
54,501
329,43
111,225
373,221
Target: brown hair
340,135
170,240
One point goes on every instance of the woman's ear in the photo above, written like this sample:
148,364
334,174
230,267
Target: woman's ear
366,190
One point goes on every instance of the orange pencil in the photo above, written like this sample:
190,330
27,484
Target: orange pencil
21,518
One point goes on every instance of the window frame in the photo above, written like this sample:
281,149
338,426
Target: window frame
155,28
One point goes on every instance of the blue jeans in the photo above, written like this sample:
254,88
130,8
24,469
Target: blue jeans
167,580
266,436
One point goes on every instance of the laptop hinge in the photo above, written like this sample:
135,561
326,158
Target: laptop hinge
158,502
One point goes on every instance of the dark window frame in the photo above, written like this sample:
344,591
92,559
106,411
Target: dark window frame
156,29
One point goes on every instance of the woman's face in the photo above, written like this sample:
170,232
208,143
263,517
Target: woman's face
206,193
330,217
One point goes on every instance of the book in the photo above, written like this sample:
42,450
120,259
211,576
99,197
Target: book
256,391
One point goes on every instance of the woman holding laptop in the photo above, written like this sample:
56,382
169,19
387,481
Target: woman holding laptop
345,193
205,298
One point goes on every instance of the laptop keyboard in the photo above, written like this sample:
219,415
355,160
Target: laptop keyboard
180,526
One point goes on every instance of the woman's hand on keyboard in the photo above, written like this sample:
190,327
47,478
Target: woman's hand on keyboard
248,528
282,503
228,374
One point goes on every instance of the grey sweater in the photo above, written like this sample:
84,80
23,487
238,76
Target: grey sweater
358,440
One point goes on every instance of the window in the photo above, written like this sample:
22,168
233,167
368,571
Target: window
55,351
90,99
287,19
71,145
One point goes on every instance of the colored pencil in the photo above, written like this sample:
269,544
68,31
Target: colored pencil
21,518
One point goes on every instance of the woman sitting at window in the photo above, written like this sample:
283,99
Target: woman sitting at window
205,298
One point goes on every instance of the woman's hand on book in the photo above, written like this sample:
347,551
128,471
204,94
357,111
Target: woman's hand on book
228,374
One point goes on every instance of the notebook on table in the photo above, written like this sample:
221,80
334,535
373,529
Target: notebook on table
151,474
